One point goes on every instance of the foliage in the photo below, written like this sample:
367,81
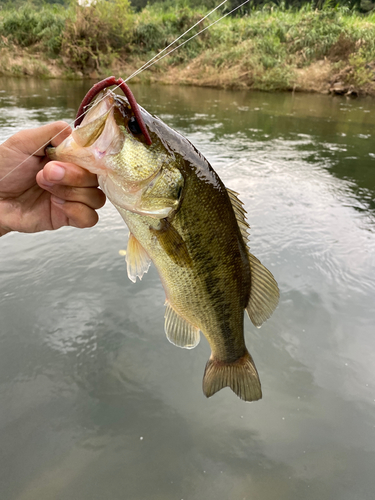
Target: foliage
157,26
263,47
86,36
26,26
94,32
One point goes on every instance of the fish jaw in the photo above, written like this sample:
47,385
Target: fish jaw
69,151
89,145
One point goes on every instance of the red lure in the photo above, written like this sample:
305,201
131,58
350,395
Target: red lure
108,82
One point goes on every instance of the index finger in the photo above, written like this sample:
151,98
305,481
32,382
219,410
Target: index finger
34,141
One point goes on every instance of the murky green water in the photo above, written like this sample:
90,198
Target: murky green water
95,403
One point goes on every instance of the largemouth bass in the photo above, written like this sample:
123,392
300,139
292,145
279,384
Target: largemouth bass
183,219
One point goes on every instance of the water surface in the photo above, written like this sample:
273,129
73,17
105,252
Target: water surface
95,403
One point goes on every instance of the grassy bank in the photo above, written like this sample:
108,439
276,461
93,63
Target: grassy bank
269,49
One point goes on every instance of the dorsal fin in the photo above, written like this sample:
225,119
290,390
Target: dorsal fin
264,292
240,214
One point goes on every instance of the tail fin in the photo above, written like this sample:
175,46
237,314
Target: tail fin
241,376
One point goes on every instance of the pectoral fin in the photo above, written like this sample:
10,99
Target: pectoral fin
172,243
264,292
180,332
138,261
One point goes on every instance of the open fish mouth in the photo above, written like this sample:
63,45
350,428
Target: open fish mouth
97,123
105,84
98,135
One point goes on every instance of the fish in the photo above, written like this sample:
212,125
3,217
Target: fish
183,219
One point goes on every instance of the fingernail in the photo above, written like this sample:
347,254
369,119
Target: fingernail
58,201
56,173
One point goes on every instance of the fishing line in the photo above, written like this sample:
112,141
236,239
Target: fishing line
147,65
139,70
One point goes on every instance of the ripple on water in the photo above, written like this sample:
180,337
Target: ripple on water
85,368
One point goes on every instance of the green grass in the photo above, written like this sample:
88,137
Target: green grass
27,26
269,44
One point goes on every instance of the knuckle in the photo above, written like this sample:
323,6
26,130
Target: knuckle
80,215
88,219
67,193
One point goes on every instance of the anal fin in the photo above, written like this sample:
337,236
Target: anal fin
179,331
137,259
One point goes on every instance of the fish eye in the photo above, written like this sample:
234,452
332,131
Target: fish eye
134,126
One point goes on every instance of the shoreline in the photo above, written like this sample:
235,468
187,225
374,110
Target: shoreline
331,50
320,77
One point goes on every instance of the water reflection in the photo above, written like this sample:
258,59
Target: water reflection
95,403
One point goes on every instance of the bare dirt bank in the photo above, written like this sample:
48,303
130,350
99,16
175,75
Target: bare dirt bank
322,76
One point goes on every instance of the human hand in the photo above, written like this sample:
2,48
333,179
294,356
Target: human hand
40,194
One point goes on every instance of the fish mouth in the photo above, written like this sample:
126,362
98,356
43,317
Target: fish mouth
98,135
50,152
95,120
99,124
104,85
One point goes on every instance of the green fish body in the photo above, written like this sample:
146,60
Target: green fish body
183,219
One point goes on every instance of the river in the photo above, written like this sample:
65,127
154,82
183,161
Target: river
96,404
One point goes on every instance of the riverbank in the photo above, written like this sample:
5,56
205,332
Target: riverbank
330,50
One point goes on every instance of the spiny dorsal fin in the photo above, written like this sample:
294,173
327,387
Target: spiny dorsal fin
264,292
240,214
179,331
137,259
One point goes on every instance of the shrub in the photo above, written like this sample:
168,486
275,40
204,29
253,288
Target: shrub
95,32
27,26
